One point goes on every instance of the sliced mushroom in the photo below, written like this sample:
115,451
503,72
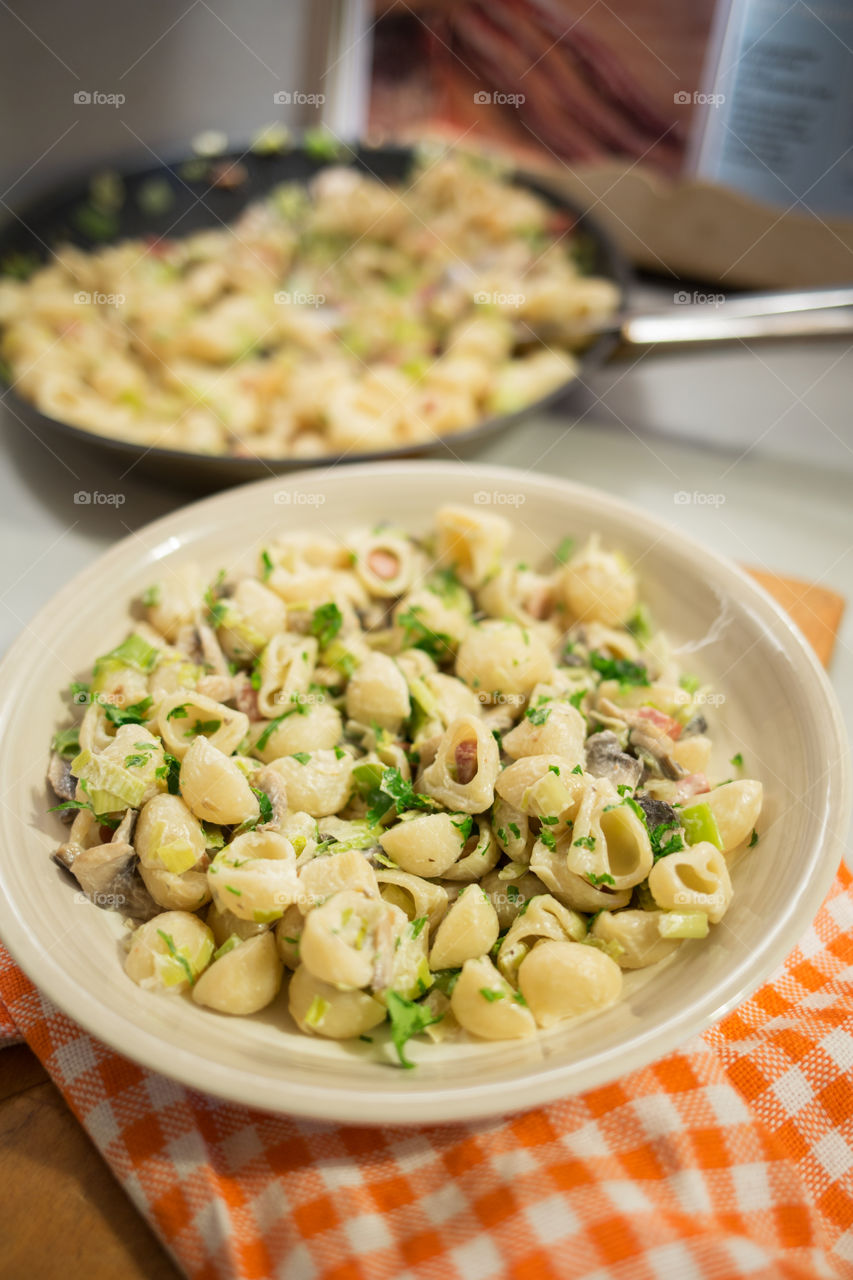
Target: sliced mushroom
61,778
199,643
108,875
653,750
606,759
657,812
695,726
648,740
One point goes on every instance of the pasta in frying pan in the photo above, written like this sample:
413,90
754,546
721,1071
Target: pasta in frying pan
472,830
348,315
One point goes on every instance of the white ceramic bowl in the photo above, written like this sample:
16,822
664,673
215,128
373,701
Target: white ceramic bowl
779,711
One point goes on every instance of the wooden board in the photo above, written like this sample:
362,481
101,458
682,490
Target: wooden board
61,1211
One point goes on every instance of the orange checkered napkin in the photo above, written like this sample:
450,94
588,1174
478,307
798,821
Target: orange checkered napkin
731,1158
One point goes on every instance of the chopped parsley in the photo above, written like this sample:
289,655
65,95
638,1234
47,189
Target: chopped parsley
515,829
178,713
151,596
67,741
417,925
170,770
548,838
143,755
326,623
202,727
537,715
737,760
464,825
268,566
690,684
407,1019
302,756
395,790
438,644
595,880
753,839
264,804
488,994
135,714
299,708
578,768
585,842
71,804
621,669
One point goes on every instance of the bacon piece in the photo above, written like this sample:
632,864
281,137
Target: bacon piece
466,761
383,563
672,728
694,784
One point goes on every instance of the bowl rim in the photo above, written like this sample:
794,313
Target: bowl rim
459,1101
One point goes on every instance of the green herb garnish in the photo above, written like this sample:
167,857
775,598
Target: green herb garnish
621,669
326,623
407,1019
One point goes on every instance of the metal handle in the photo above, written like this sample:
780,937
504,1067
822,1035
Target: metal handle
805,314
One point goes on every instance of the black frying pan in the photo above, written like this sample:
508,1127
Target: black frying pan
197,204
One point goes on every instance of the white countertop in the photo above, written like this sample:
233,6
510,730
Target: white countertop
782,463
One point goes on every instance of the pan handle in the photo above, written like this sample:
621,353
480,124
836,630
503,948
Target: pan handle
807,313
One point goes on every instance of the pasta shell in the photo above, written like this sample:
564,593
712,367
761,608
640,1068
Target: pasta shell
485,1004
470,929
466,766
214,788
637,933
318,1009
562,980
244,980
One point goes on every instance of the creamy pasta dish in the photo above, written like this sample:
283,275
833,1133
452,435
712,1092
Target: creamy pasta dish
346,316
412,779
